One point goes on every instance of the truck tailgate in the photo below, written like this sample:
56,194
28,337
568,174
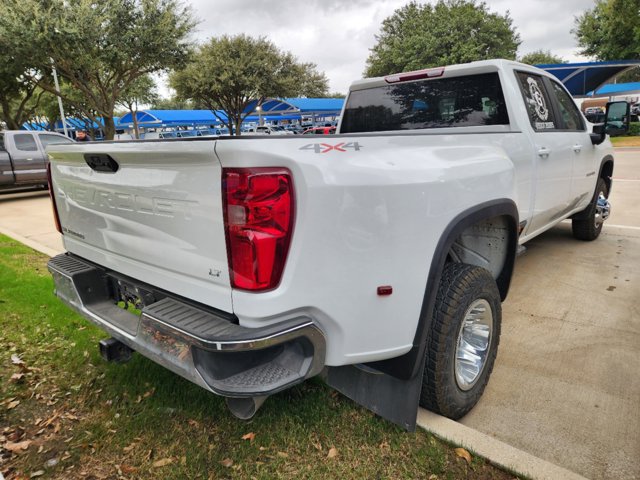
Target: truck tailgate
157,218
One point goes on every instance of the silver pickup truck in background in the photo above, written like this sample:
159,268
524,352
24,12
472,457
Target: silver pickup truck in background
23,161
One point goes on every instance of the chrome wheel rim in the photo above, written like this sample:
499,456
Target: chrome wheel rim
474,340
602,210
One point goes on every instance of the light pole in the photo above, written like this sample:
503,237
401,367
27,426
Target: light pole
55,81
260,121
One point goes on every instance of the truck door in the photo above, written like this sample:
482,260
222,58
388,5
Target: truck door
28,159
6,170
584,154
553,156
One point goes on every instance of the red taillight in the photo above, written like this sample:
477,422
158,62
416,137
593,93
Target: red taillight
258,208
53,199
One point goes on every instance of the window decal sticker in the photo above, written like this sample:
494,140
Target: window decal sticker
536,95
537,101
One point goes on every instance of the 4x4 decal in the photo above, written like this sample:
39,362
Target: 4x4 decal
326,147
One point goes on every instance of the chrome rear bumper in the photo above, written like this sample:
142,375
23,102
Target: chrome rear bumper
204,346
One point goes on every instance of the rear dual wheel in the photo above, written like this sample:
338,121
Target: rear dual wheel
463,340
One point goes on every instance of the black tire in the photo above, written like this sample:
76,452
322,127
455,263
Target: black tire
460,287
584,225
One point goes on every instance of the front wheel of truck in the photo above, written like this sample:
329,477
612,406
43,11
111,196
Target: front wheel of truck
463,340
587,224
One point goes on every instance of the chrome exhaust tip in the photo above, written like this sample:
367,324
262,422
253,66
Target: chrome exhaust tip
245,408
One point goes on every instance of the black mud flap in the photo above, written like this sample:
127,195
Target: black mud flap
393,399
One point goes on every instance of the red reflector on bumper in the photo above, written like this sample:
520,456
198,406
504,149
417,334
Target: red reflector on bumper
385,290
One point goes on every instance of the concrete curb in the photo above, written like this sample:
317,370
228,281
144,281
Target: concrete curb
495,451
30,243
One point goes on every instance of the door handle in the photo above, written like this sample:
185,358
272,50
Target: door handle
577,148
544,152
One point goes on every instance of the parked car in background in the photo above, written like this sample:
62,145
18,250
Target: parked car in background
212,132
296,129
186,133
269,130
593,110
594,114
23,161
320,131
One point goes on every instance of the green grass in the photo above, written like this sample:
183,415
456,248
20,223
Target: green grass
633,141
108,421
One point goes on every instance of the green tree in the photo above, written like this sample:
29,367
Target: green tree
628,76
451,31
18,98
610,30
172,103
141,91
541,57
100,47
76,108
231,73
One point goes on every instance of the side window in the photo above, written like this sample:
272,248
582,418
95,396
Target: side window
537,102
25,142
2,147
570,114
53,139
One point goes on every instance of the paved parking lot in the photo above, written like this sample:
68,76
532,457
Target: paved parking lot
565,387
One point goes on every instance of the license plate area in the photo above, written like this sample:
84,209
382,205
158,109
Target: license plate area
130,297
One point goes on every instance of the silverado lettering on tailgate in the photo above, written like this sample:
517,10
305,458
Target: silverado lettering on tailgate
105,200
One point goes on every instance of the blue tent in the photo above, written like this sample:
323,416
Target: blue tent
160,118
582,78
271,109
612,89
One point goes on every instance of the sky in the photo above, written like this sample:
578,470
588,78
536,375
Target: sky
337,34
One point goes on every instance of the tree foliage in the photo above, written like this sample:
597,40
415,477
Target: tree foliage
610,30
451,31
100,47
541,57
172,103
230,73
141,91
75,106
18,98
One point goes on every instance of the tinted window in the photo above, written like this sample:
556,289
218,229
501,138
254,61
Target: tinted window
53,139
449,102
2,147
571,117
25,142
537,102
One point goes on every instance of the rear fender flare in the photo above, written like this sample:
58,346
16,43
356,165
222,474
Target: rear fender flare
411,364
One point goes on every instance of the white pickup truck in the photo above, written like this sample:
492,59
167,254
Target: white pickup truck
378,257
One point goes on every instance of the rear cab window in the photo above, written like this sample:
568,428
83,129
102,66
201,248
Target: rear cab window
465,101
48,139
536,99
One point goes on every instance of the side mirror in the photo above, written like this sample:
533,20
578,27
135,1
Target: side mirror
599,134
617,118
